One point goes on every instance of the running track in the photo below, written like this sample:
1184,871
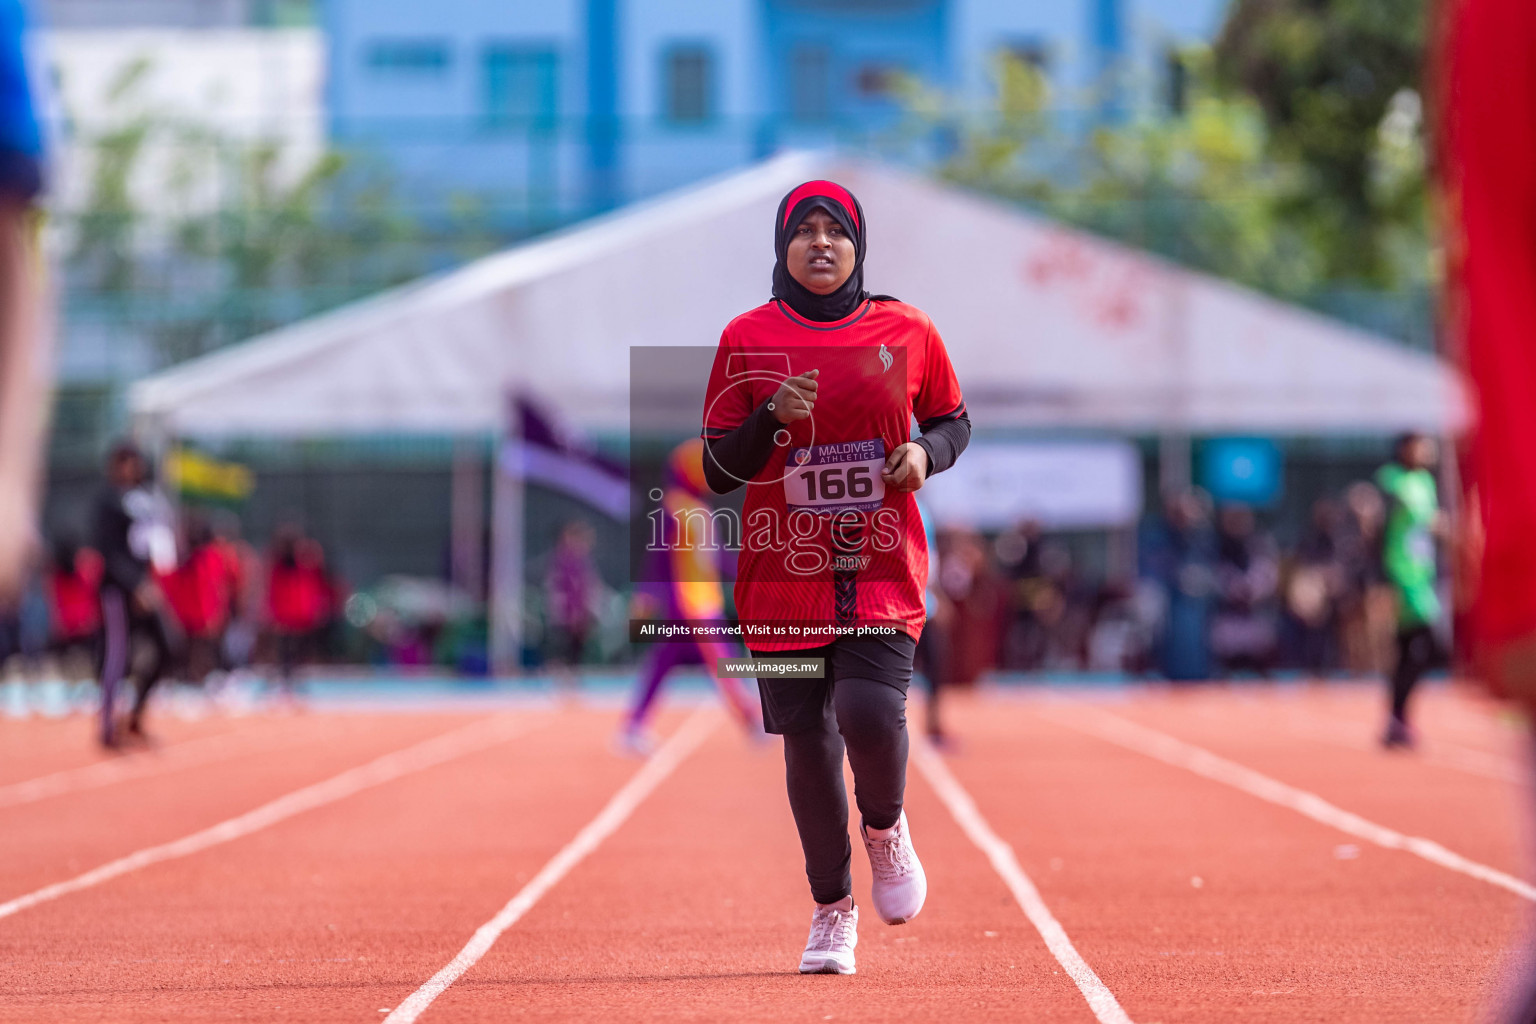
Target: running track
1188,855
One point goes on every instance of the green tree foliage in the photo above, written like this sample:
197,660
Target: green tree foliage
1339,84
1314,195
1198,187
255,240
103,230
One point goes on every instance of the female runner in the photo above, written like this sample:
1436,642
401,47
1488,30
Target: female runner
811,402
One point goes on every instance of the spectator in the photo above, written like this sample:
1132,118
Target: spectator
1367,606
1414,522
245,580
74,604
571,589
1029,595
976,592
298,602
1065,609
1247,580
24,624
197,591
134,534
1117,639
1313,588
1177,556
932,653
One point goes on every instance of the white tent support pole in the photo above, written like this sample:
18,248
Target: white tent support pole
152,436
1175,470
1120,552
468,517
505,621
156,442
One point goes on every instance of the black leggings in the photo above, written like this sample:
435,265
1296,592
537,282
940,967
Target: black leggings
859,706
121,624
1415,653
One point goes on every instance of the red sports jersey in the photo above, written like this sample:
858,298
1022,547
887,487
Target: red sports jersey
824,542
77,597
298,597
198,592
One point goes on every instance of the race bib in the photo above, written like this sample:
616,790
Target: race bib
830,478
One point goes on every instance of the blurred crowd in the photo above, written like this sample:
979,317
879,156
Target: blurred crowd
1214,595
220,605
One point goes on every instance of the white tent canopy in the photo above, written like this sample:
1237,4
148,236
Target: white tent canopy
1047,327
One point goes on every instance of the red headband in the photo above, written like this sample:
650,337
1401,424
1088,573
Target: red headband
825,190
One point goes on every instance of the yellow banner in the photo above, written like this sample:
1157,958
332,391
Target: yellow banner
192,472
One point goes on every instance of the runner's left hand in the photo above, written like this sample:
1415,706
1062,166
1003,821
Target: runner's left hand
906,468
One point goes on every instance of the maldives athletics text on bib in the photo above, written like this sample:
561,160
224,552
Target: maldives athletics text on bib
840,477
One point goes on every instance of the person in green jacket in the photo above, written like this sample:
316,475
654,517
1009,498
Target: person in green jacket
1408,559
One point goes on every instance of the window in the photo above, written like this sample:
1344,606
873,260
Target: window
522,87
877,81
810,83
1176,82
857,6
408,56
688,84
1035,53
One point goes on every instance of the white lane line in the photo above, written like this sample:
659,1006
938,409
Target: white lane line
202,751
466,740
1468,760
618,809
1165,748
1347,731
1100,999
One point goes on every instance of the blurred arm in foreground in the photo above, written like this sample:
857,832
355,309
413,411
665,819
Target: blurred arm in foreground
1490,176
23,363
1489,164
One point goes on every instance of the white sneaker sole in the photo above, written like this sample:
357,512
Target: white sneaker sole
896,919
919,885
826,966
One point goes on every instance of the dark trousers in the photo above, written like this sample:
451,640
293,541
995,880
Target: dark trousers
295,650
121,624
932,647
860,707
1415,653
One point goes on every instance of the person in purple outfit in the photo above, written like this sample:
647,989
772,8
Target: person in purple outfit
571,585
686,588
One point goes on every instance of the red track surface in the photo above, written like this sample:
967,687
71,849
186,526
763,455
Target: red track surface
1193,901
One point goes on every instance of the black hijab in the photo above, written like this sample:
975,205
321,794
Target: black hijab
841,205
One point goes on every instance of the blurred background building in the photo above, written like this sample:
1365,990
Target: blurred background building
555,110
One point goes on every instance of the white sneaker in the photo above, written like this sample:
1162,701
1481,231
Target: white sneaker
834,933
634,743
900,887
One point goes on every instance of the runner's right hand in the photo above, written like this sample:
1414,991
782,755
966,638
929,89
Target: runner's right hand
795,398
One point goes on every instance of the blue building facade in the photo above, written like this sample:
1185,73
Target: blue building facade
546,110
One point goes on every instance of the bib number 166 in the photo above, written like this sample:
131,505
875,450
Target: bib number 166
835,483
830,478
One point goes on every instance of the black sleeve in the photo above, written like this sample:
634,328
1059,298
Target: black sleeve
944,440
120,567
739,455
